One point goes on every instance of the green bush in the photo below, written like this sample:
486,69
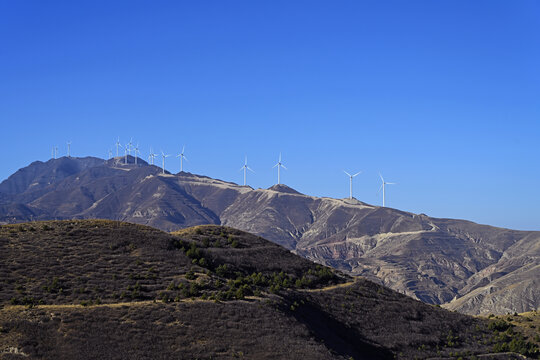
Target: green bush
499,325
193,252
221,270
190,275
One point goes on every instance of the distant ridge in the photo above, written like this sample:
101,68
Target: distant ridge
466,266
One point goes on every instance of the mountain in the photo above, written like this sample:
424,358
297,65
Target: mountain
98,289
41,174
459,264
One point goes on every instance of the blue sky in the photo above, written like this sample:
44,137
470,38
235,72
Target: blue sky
442,97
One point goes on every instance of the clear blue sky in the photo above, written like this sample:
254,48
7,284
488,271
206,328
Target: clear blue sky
442,97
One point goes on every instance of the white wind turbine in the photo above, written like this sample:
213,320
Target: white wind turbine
130,145
52,152
136,150
117,146
279,166
126,147
350,185
383,186
152,156
182,157
246,168
55,152
163,156
69,148
110,154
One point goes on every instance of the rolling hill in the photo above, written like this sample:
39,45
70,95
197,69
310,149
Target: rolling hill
90,289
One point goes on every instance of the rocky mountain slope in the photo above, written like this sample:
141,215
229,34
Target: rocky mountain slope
97,289
465,266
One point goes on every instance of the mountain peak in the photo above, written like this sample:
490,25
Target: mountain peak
284,189
121,161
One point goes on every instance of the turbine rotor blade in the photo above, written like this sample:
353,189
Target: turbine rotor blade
346,173
358,173
283,166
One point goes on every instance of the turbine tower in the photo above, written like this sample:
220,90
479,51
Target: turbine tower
69,148
350,185
383,186
279,166
56,152
117,146
246,168
163,156
182,157
110,154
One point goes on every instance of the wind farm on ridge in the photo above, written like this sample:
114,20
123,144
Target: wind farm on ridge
128,147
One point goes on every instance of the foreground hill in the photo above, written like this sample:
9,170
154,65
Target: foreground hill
471,268
102,289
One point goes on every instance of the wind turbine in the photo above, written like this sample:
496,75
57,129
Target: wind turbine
182,157
246,168
129,146
163,156
351,177
383,185
126,147
55,152
117,146
136,151
110,154
69,148
52,152
151,156
279,166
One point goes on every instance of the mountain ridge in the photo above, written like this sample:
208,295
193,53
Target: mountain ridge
436,260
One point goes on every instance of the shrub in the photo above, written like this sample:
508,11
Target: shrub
193,252
221,270
203,262
54,286
190,275
499,325
451,339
